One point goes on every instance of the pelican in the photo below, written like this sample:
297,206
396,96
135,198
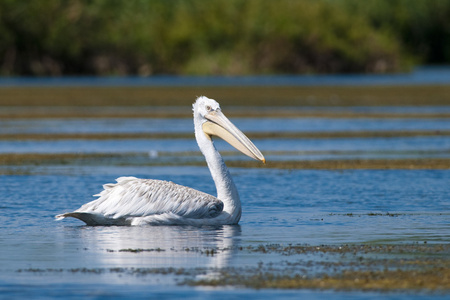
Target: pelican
133,201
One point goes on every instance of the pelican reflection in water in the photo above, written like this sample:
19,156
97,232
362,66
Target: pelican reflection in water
133,201
162,247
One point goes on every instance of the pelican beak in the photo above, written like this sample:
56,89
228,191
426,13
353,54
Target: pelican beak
219,125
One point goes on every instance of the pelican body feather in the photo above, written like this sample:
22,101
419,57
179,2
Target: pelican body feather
133,201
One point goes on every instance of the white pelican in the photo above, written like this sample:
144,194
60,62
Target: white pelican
133,201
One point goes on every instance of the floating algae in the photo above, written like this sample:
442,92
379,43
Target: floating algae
229,96
397,267
36,159
252,135
369,267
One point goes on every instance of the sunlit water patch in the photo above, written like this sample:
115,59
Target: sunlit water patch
152,125
355,147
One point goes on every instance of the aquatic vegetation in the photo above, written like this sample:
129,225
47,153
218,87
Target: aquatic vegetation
335,164
396,267
426,268
73,101
139,250
434,278
143,160
253,135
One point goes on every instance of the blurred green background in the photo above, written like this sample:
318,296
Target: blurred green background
221,37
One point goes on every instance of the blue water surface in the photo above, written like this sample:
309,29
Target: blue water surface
41,258
279,206
155,125
427,75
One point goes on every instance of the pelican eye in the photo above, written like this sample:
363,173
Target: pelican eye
208,108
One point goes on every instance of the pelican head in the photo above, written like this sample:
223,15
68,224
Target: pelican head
214,123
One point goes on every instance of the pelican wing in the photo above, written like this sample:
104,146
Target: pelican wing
133,197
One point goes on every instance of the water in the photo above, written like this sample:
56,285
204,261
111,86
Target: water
43,258
288,207
427,75
154,125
